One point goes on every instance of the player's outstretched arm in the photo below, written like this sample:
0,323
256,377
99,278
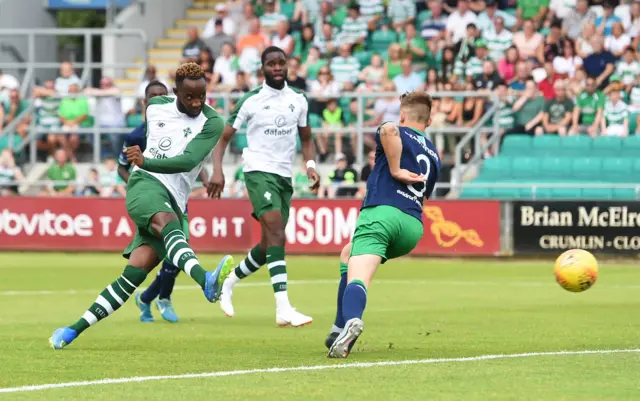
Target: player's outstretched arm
197,150
392,146
309,154
216,183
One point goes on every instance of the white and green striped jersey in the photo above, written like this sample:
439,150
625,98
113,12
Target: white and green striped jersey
345,69
352,30
321,42
401,10
634,100
497,43
615,114
507,115
370,8
177,145
272,117
628,71
48,112
271,20
473,67
7,175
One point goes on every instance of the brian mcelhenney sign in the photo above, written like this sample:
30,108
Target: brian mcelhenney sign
605,227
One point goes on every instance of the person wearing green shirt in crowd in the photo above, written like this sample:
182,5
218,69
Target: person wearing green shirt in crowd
588,111
529,109
531,9
417,49
73,113
63,175
14,107
313,64
332,117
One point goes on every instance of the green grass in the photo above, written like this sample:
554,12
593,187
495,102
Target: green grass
418,309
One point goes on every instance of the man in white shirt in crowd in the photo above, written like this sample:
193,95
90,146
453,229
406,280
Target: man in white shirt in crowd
458,21
228,25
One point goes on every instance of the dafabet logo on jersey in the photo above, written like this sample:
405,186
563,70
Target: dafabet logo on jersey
448,233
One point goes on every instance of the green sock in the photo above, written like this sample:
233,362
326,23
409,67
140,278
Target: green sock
180,253
254,260
278,273
111,298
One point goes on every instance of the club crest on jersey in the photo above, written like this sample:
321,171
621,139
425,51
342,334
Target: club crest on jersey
292,107
187,132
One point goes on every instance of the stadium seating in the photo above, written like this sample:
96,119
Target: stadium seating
560,160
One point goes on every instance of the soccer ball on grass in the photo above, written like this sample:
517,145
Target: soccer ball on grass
576,270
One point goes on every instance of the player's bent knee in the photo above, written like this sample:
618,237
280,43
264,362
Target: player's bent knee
144,258
160,221
363,267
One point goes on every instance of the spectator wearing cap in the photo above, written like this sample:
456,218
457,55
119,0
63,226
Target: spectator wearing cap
228,25
558,111
409,80
534,10
528,40
326,41
218,38
434,28
618,41
344,174
271,16
345,67
573,23
498,39
473,66
354,28
615,121
487,19
587,113
458,21
401,13
604,23
600,64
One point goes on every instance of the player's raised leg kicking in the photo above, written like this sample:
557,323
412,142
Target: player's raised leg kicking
274,113
181,132
390,221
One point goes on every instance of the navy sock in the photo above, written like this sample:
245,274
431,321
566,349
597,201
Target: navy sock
167,277
152,291
339,322
354,300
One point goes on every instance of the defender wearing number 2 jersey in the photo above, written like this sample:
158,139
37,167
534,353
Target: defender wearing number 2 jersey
405,172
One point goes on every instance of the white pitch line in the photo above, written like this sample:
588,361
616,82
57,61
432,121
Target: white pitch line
138,379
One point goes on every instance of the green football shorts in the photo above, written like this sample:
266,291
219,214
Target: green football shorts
147,196
267,192
385,231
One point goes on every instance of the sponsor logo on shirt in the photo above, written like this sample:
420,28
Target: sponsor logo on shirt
165,143
157,154
280,121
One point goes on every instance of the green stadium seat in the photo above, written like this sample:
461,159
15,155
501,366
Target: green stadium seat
240,141
496,168
577,145
554,168
505,193
607,146
380,40
516,145
364,57
475,193
525,168
546,145
566,193
315,121
624,194
617,169
287,9
543,193
631,146
597,193
586,169
134,120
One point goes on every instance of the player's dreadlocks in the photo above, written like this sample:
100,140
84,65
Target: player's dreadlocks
189,71
417,105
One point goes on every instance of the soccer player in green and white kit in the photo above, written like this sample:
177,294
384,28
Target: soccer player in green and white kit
181,133
274,113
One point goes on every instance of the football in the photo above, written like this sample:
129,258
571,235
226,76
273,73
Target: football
576,270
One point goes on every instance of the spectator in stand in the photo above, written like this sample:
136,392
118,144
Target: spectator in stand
471,109
587,114
191,50
303,46
374,72
326,41
238,189
558,112
615,121
227,24
271,17
365,173
434,28
10,175
634,28
465,49
473,65
552,46
66,79
332,117
498,39
372,12
547,85
445,115
312,65
324,87
242,21
618,41
532,10
522,75
506,121
91,184
489,79
600,64
345,68
74,113
560,9
528,40
393,65
62,175
225,69
7,83
409,80
241,87
294,79
150,74
416,49
282,39
254,39
432,83
206,63
628,68
634,104
529,110
110,113
401,13
343,174
583,43
448,65
47,106
507,65
326,16
567,64
388,108
577,83
15,107
354,28
623,11
488,18
216,41
110,183
573,24
458,21
604,23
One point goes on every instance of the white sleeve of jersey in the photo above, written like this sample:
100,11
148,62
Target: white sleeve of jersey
241,115
304,111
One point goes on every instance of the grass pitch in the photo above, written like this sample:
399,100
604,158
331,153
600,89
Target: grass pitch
418,309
